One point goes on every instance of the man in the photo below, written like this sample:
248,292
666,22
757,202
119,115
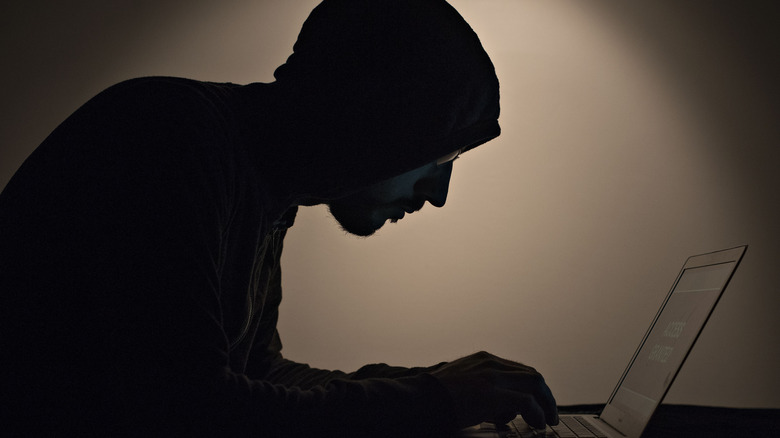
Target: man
140,243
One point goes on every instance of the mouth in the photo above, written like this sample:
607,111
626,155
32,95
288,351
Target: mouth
411,208
404,209
397,217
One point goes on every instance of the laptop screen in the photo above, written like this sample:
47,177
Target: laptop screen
666,346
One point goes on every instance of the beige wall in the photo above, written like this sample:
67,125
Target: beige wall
633,137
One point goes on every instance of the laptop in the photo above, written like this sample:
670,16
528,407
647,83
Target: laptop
655,363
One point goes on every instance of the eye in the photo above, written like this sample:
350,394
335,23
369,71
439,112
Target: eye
448,158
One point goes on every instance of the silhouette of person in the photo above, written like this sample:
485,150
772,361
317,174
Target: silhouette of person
140,243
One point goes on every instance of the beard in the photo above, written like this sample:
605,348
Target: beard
357,220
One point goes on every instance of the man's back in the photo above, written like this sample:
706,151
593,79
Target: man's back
111,229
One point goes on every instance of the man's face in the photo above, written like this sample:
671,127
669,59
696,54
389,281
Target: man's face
364,212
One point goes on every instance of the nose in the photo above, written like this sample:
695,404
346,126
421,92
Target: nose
434,187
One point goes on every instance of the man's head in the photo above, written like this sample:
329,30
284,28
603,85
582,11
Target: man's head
364,212
372,90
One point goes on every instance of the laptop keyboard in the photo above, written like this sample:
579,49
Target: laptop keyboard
569,427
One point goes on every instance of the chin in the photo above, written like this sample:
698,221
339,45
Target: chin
355,221
361,231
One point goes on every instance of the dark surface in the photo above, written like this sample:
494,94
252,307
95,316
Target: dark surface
672,421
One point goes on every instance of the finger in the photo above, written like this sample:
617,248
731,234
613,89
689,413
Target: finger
532,413
547,402
534,384
523,403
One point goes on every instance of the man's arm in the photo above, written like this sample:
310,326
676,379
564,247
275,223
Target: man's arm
481,387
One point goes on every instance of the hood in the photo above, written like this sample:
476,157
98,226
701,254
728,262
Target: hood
373,89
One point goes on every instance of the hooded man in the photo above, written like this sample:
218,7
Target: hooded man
140,243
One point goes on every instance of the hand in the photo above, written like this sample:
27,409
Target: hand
485,387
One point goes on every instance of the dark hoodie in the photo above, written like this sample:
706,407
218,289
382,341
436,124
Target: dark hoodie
140,243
